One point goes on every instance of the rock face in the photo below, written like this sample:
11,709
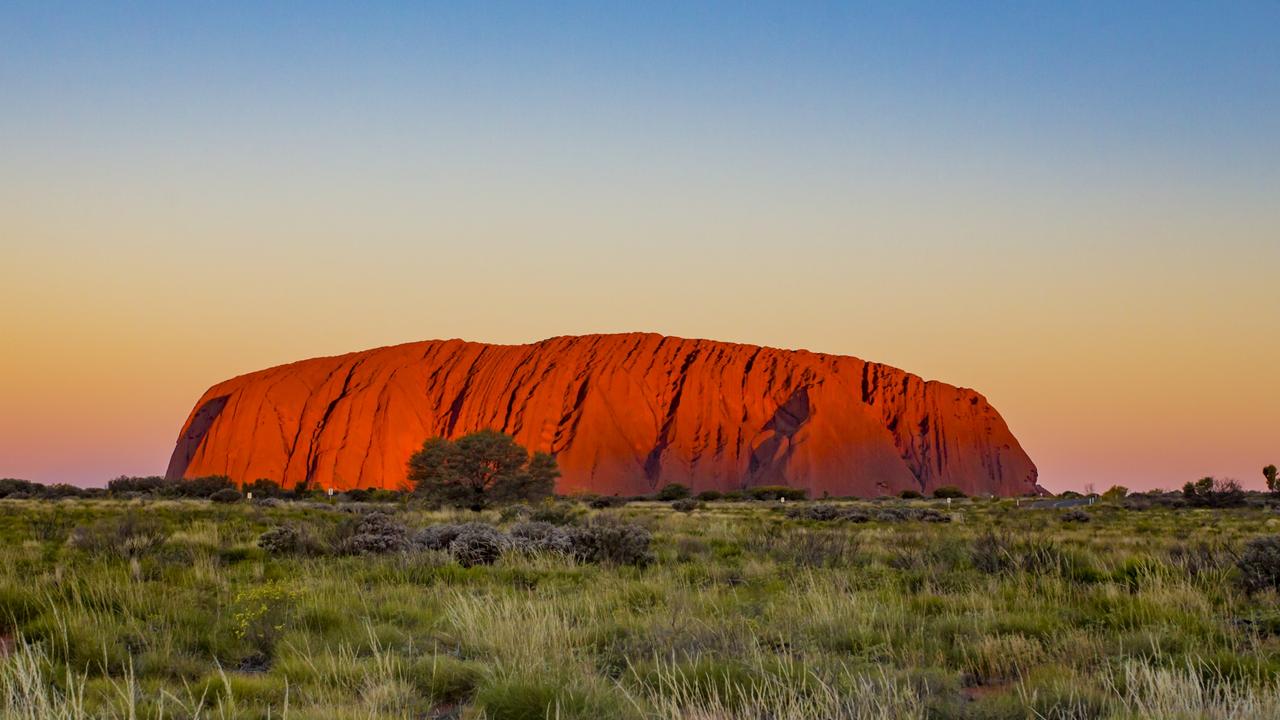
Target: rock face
623,414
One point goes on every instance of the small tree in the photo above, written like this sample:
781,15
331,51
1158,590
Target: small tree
1117,492
1273,482
948,492
480,469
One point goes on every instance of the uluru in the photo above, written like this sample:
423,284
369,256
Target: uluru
623,414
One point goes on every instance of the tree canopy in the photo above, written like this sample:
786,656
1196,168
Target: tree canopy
481,469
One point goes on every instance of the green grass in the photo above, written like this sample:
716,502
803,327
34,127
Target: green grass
1002,613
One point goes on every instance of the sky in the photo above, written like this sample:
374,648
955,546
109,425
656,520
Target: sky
1074,209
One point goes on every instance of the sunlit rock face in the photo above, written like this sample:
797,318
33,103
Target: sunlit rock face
623,414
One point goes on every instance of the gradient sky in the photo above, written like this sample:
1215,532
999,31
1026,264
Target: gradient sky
1075,210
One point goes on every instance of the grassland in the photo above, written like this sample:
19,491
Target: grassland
745,612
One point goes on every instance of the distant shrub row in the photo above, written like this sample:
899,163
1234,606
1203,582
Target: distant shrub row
824,512
1205,493
601,540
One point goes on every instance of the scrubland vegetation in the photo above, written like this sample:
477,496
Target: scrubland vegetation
1139,607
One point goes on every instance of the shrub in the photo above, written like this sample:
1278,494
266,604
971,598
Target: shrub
478,544
822,512
1259,564
261,614
152,485
776,492
202,487
129,536
357,495
673,491
612,542
909,514
709,495
514,512
1116,493
929,515
910,495
265,488
378,534
1272,477
687,505
892,515
1076,516
226,495
556,513
436,537
949,492
541,537
279,540
602,502
11,487
56,492
293,540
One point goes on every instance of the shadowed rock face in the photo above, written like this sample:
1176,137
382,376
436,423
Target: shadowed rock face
623,414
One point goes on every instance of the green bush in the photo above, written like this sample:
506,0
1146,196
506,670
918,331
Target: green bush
949,491
710,495
910,495
556,513
203,487
152,485
1117,492
226,496
777,492
265,488
673,491
13,486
